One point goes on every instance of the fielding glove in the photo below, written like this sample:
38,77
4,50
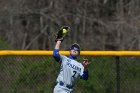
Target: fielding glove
62,33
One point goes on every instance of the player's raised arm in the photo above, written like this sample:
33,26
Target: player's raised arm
56,51
59,38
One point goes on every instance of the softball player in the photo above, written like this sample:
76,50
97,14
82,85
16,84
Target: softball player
70,68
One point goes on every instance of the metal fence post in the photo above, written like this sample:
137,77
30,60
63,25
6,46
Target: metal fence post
117,74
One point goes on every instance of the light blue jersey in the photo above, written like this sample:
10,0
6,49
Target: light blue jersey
70,70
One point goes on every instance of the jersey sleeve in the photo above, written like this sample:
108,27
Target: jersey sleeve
84,74
57,56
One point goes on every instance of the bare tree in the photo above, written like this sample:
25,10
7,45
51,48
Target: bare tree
95,24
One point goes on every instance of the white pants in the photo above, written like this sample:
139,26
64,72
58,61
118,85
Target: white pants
61,89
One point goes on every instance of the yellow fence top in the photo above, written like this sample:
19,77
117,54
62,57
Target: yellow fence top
83,53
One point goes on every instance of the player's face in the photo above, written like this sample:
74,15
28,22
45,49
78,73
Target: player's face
74,52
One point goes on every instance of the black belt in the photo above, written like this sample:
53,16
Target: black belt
62,84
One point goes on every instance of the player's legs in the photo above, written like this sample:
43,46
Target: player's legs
59,89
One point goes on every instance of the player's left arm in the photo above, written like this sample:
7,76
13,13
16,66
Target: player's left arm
85,72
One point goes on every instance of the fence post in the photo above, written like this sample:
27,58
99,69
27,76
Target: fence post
118,74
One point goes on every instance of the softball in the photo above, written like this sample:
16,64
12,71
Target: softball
65,31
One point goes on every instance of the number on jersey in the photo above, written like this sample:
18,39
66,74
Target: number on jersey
74,73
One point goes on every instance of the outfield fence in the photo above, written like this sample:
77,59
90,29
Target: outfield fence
36,72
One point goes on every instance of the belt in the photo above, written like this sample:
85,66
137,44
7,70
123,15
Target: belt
62,84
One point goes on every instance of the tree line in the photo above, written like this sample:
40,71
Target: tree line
95,24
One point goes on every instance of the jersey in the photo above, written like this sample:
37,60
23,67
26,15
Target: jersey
70,70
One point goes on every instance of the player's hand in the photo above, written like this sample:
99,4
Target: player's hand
62,33
85,62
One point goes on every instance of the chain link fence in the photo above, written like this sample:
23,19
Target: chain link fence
37,74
